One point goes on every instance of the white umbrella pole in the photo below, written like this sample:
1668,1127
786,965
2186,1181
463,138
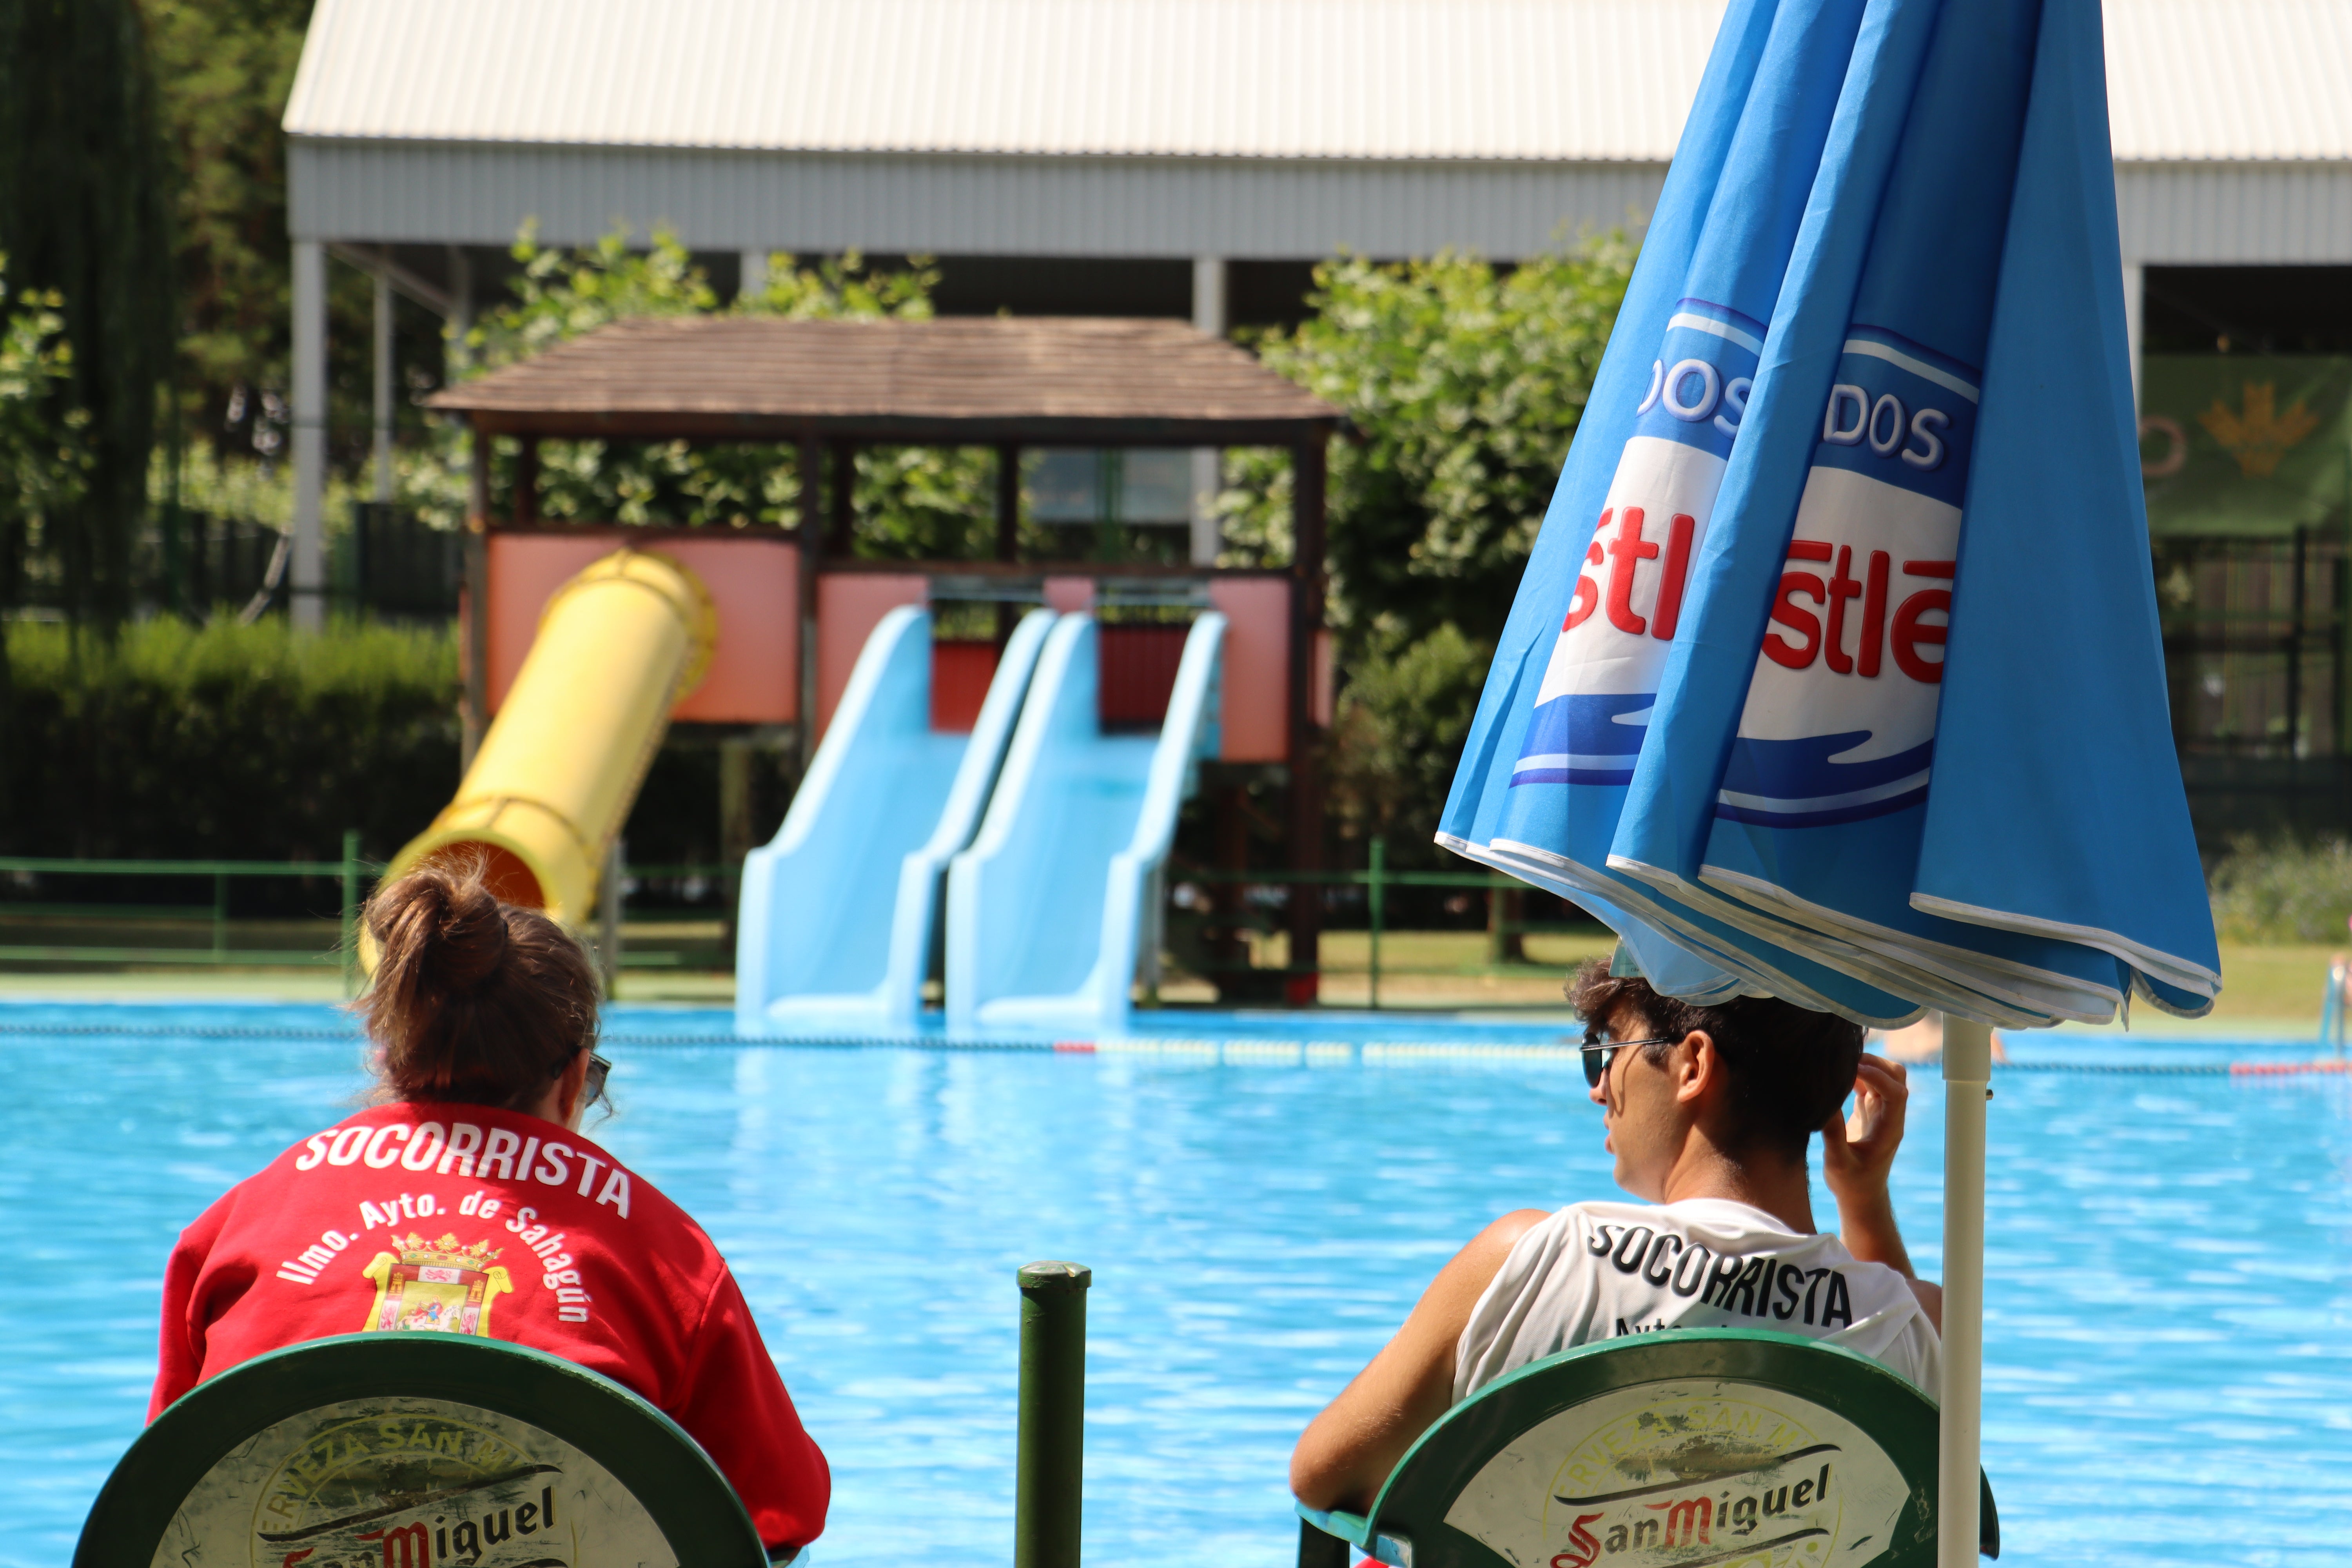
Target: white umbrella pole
1967,1079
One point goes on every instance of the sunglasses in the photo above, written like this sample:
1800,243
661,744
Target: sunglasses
592,1090
1597,1058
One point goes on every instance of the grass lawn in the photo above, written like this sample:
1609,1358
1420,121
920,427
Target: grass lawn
2272,983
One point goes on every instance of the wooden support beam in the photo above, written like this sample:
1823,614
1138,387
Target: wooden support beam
526,490
1008,524
844,481
1306,911
811,463
476,705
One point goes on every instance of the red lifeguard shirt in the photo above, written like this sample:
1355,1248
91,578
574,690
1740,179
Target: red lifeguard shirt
467,1219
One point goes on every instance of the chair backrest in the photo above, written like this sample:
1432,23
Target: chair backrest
1686,1446
412,1451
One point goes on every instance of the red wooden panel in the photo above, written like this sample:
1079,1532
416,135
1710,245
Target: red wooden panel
850,605
1255,724
960,671
1138,674
754,675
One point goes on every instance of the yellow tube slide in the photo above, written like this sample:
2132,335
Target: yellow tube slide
617,647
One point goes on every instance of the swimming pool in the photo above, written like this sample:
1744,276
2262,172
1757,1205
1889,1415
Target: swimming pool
2169,1337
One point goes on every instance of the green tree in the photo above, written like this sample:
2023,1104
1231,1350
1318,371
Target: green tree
223,70
909,501
1462,383
1398,733
84,219
43,461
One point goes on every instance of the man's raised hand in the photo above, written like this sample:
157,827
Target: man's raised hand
1858,1151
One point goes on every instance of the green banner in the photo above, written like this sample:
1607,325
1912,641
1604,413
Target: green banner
2245,443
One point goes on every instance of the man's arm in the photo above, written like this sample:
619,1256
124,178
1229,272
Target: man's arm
1348,1450
1856,1156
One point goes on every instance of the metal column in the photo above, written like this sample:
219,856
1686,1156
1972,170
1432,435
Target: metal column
2135,316
1967,1084
1210,313
308,600
382,387
1050,1463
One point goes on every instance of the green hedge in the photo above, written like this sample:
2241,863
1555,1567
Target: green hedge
225,741
2283,890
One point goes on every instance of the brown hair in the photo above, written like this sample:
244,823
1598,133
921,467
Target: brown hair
1791,1068
475,1001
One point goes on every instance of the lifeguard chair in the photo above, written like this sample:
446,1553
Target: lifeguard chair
1683,1447
415,1450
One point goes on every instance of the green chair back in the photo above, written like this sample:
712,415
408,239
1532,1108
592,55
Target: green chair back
415,1450
1685,1447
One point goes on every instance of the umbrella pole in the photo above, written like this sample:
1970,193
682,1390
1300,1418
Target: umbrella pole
1968,1080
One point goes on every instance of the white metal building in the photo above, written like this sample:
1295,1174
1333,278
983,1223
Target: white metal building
1207,131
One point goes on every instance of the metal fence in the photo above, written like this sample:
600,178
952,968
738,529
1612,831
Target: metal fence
197,930
202,929
1501,936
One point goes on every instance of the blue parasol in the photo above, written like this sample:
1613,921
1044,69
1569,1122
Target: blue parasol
1732,726
1835,671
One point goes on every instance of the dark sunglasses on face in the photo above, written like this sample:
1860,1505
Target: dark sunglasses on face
599,1069
1597,1057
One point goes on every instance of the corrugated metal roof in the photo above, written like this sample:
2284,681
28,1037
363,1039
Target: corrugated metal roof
2219,81
1602,80
1576,80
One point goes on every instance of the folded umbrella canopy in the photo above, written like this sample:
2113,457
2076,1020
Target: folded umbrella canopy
1835,673
1720,711
1578,679
1832,718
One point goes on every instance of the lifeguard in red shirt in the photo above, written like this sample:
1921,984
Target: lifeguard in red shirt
466,1200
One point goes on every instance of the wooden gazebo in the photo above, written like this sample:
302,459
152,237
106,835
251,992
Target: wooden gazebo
827,388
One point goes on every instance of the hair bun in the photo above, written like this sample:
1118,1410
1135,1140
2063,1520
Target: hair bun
472,936
473,1001
447,924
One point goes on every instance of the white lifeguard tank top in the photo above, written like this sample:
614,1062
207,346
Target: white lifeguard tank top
1597,1270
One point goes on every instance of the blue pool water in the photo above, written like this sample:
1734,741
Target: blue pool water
2169,1326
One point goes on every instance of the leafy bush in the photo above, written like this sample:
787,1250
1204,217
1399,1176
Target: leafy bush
1398,735
2283,889
226,741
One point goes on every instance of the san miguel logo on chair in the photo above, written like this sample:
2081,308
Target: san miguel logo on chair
1687,1475
435,1286
408,1488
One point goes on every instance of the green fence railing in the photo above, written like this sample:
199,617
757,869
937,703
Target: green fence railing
207,922
200,932
1377,879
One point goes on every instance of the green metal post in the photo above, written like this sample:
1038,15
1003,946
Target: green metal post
1051,1443
1379,905
351,944
220,912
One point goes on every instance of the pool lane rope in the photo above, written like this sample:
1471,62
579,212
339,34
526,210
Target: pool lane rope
1259,1049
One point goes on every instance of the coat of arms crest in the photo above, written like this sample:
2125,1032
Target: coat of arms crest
440,1286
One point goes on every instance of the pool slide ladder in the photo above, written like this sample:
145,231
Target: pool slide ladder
838,913
1053,906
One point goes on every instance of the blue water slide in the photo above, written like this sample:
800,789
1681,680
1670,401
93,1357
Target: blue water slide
837,913
1050,909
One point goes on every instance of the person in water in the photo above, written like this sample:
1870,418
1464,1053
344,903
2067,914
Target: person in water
1709,1112
465,1200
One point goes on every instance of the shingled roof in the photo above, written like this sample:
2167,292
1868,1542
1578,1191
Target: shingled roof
1083,381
